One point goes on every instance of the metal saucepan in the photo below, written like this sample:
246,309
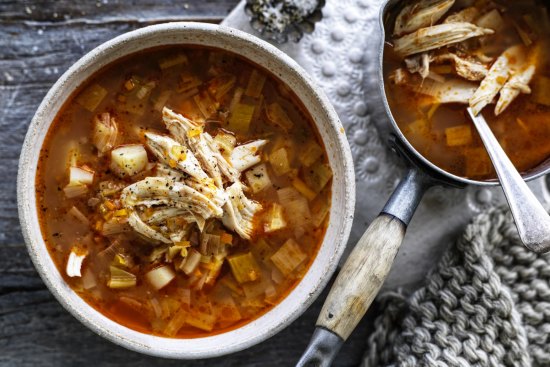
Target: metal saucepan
369,263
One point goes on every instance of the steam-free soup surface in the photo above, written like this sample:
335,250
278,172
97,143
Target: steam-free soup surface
440,129
183,191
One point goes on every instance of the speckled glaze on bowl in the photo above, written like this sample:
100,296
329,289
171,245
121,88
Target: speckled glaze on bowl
330,129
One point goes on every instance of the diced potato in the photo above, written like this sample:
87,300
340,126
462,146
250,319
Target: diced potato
280,161
255,84
241,117
258,178
128,160
179,59
303,189
244,267
160,277
310,153
80,176
317,176
288,257
91,97
277,115
541,90
459,135
274,219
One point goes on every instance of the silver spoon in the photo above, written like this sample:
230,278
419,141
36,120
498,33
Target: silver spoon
532,220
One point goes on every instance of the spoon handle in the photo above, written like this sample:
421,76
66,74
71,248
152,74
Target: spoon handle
531,218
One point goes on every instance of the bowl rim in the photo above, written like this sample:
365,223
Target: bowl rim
235,339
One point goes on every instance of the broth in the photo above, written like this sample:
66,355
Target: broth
166,240
442,132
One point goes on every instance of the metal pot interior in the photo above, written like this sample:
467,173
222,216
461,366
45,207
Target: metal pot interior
387,16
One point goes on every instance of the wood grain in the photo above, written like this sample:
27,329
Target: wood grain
38,42
362,276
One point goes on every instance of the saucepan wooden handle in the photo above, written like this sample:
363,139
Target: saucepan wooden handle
362,276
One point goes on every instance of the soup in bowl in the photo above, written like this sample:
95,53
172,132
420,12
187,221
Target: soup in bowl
186,186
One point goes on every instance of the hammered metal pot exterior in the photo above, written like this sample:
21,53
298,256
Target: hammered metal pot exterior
330,129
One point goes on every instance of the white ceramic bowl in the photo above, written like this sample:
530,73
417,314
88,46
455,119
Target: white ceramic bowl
328,124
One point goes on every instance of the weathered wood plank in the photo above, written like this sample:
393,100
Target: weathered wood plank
38,42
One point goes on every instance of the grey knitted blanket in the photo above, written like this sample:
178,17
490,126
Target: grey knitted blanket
487,303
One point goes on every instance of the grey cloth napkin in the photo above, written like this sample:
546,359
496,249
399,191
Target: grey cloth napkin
486,303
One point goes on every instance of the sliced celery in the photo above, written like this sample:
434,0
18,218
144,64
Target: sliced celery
274,219
91,97
310,153
255,84
317,176
241,117
120,278
288,257
168,62
280,161
277,115
244,267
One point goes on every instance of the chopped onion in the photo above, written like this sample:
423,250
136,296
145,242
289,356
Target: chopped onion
288,257
74,191
191,262
160,277
258,178
78,215
74,263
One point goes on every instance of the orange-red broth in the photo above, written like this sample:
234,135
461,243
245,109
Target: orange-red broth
226,301
523,129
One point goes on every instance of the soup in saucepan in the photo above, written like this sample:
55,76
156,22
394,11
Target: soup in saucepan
443,55
183,191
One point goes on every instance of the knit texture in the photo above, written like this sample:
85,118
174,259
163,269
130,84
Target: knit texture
487,303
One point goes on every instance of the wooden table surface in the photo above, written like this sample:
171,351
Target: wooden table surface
38,42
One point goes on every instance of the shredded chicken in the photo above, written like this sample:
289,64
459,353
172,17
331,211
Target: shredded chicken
496,78
145,230
240,211
466,68
419,64
190,133
468,15
170,152
437,36
420,14
518,83
452,90
154,191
